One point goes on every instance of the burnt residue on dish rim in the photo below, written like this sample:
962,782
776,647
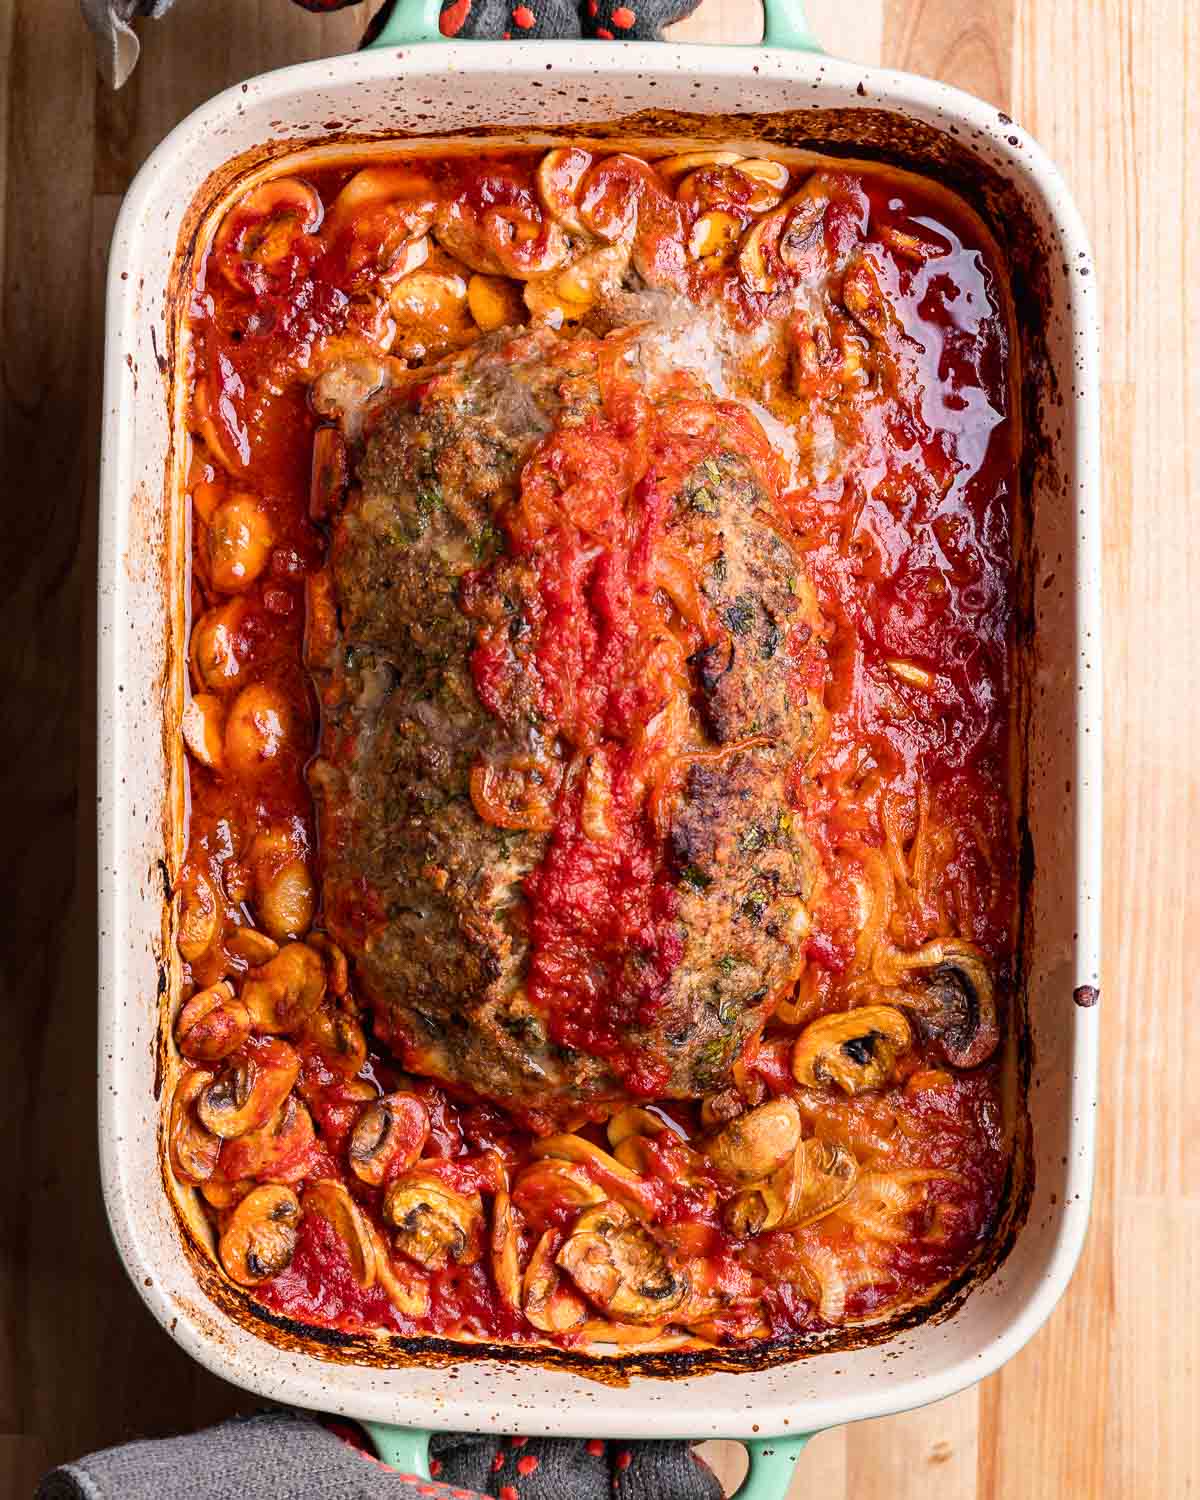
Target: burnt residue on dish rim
880,137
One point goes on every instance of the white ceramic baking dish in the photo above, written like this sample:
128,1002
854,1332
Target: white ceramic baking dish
777,93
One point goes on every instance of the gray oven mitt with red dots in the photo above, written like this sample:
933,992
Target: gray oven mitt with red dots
282,1455
117,45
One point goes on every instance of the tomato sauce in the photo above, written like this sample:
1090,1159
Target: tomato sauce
894,491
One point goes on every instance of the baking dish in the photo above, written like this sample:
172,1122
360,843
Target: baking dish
402,86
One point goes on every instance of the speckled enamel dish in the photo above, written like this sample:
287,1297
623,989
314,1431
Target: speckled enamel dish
410,83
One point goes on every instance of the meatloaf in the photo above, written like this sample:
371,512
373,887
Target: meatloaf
469,941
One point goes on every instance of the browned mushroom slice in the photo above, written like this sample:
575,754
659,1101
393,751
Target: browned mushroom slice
339,1039
863,297
376,219
248,943
754,1145
854,1050
199,913
502,238
259,233
193,1149
560,175
800,241
260,1238
617,1180
816,1178
337,969
286,990
330,1201
278,1152
343,391
203,729
435,1226
218,645
759,249
388,1136
620,1267
432,313
405,1285
212,1024
549,1301
911,246
505,1248
222,1194
544,1188
673,169
248,1089
948,986
330,473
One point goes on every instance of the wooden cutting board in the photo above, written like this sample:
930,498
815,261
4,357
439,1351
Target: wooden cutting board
1105,1402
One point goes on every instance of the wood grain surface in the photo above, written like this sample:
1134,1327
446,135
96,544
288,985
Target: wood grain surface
1105,1402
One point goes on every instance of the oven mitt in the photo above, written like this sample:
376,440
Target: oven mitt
117,46
283,1455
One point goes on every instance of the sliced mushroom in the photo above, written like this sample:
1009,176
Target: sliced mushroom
203,730
248,1089
560,175
949,988
756,1144
432,314
339,1039
505,1248
240,537
337,968
863,297
388,1137
549,1301
212,1024
286,990
854,1050
800,241
285,896
816,1178
911,246
435,1226
620,1267
222,1194
330,1201
773,173
377,219
566,295
673,169
633,1120
728,187
758,251
544,1188
405,1285
330,474
260,1238
259,233
248,943
199,913
510,236
260,729
278,1152
193,1149
219,647
617,1180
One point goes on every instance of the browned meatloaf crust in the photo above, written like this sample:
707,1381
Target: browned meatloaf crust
425,895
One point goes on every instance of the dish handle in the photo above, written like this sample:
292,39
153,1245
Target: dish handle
772,1460
417,21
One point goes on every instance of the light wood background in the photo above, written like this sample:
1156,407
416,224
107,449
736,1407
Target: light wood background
1105,1402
